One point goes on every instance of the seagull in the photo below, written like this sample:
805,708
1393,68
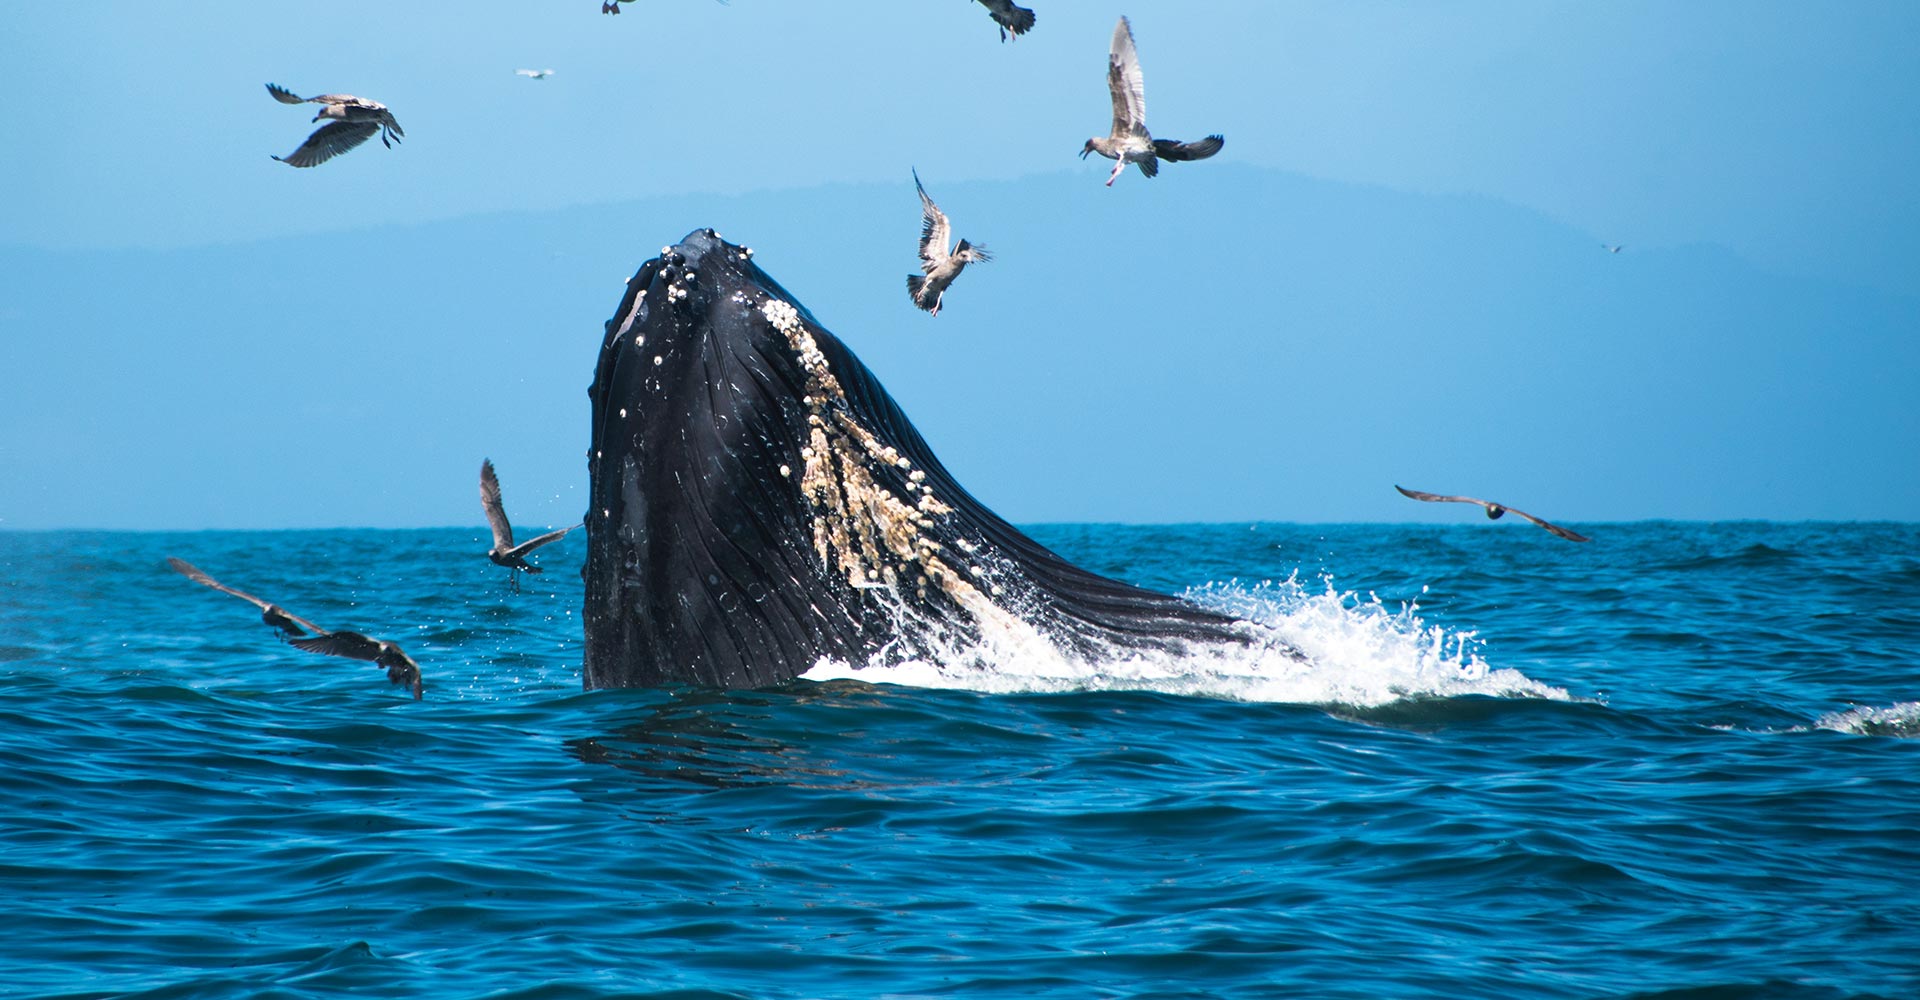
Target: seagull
1494,511
354,121
400,667
289,624
1130,141
1612,247
504,552
613,6
1018,20
940,265
533,74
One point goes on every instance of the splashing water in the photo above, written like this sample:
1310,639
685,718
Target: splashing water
1902,719
1353,652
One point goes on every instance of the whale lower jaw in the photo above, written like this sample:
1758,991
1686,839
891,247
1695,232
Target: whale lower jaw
760,505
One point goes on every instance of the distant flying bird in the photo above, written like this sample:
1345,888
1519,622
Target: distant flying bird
1130,142
1018,20
1494,511
1612,247
940,265
286,621
613,6
400,667
534,74
354,120
504,552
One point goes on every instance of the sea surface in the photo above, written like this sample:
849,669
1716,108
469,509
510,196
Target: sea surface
1677,762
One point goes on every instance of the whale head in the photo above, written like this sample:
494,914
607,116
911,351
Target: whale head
759,504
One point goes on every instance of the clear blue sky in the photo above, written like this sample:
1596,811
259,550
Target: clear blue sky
1780,141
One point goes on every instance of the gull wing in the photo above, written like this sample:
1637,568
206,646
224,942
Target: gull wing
1123,78
283,95
1199,149
935,231
351,645
533,543
197,575
329,141
1015,19
1438,498
496,511
194,573
1566,533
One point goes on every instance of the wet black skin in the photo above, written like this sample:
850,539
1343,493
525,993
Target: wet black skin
702,565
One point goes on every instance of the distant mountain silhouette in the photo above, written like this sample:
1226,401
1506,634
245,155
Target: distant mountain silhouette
1289,344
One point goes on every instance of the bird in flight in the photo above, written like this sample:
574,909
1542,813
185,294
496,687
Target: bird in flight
1130,142
351,121
400,667
504,552
939,264
291,626
1612,247
613,6
1011,19
533,74
1494,511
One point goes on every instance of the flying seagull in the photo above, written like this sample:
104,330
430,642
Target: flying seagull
354,120
1130,141
532,74
289,624
1494,511
940,265
613,6
400,667
1612,247
504,552
1017,20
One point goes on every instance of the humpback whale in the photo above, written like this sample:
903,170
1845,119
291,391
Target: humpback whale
760,505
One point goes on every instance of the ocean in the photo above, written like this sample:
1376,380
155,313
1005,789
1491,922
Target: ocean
1677,762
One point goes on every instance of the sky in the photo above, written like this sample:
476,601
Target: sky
1754,159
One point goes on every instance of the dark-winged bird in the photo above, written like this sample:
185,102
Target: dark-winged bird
504,552
1494,510
1130,142
289,624
613,6
351,121
1011,19
400,667
939,264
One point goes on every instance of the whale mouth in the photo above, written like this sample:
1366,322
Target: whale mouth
760,505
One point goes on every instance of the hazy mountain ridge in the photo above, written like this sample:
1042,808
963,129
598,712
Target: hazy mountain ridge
1222,343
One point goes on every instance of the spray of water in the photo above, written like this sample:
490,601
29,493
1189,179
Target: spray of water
1902,719
1350,651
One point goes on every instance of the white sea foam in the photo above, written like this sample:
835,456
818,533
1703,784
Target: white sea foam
1901,719
1356,652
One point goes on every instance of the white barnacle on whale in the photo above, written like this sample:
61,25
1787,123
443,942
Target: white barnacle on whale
784,317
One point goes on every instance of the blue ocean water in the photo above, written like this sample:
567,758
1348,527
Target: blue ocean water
1676,762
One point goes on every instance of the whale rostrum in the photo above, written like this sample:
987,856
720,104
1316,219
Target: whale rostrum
760,505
